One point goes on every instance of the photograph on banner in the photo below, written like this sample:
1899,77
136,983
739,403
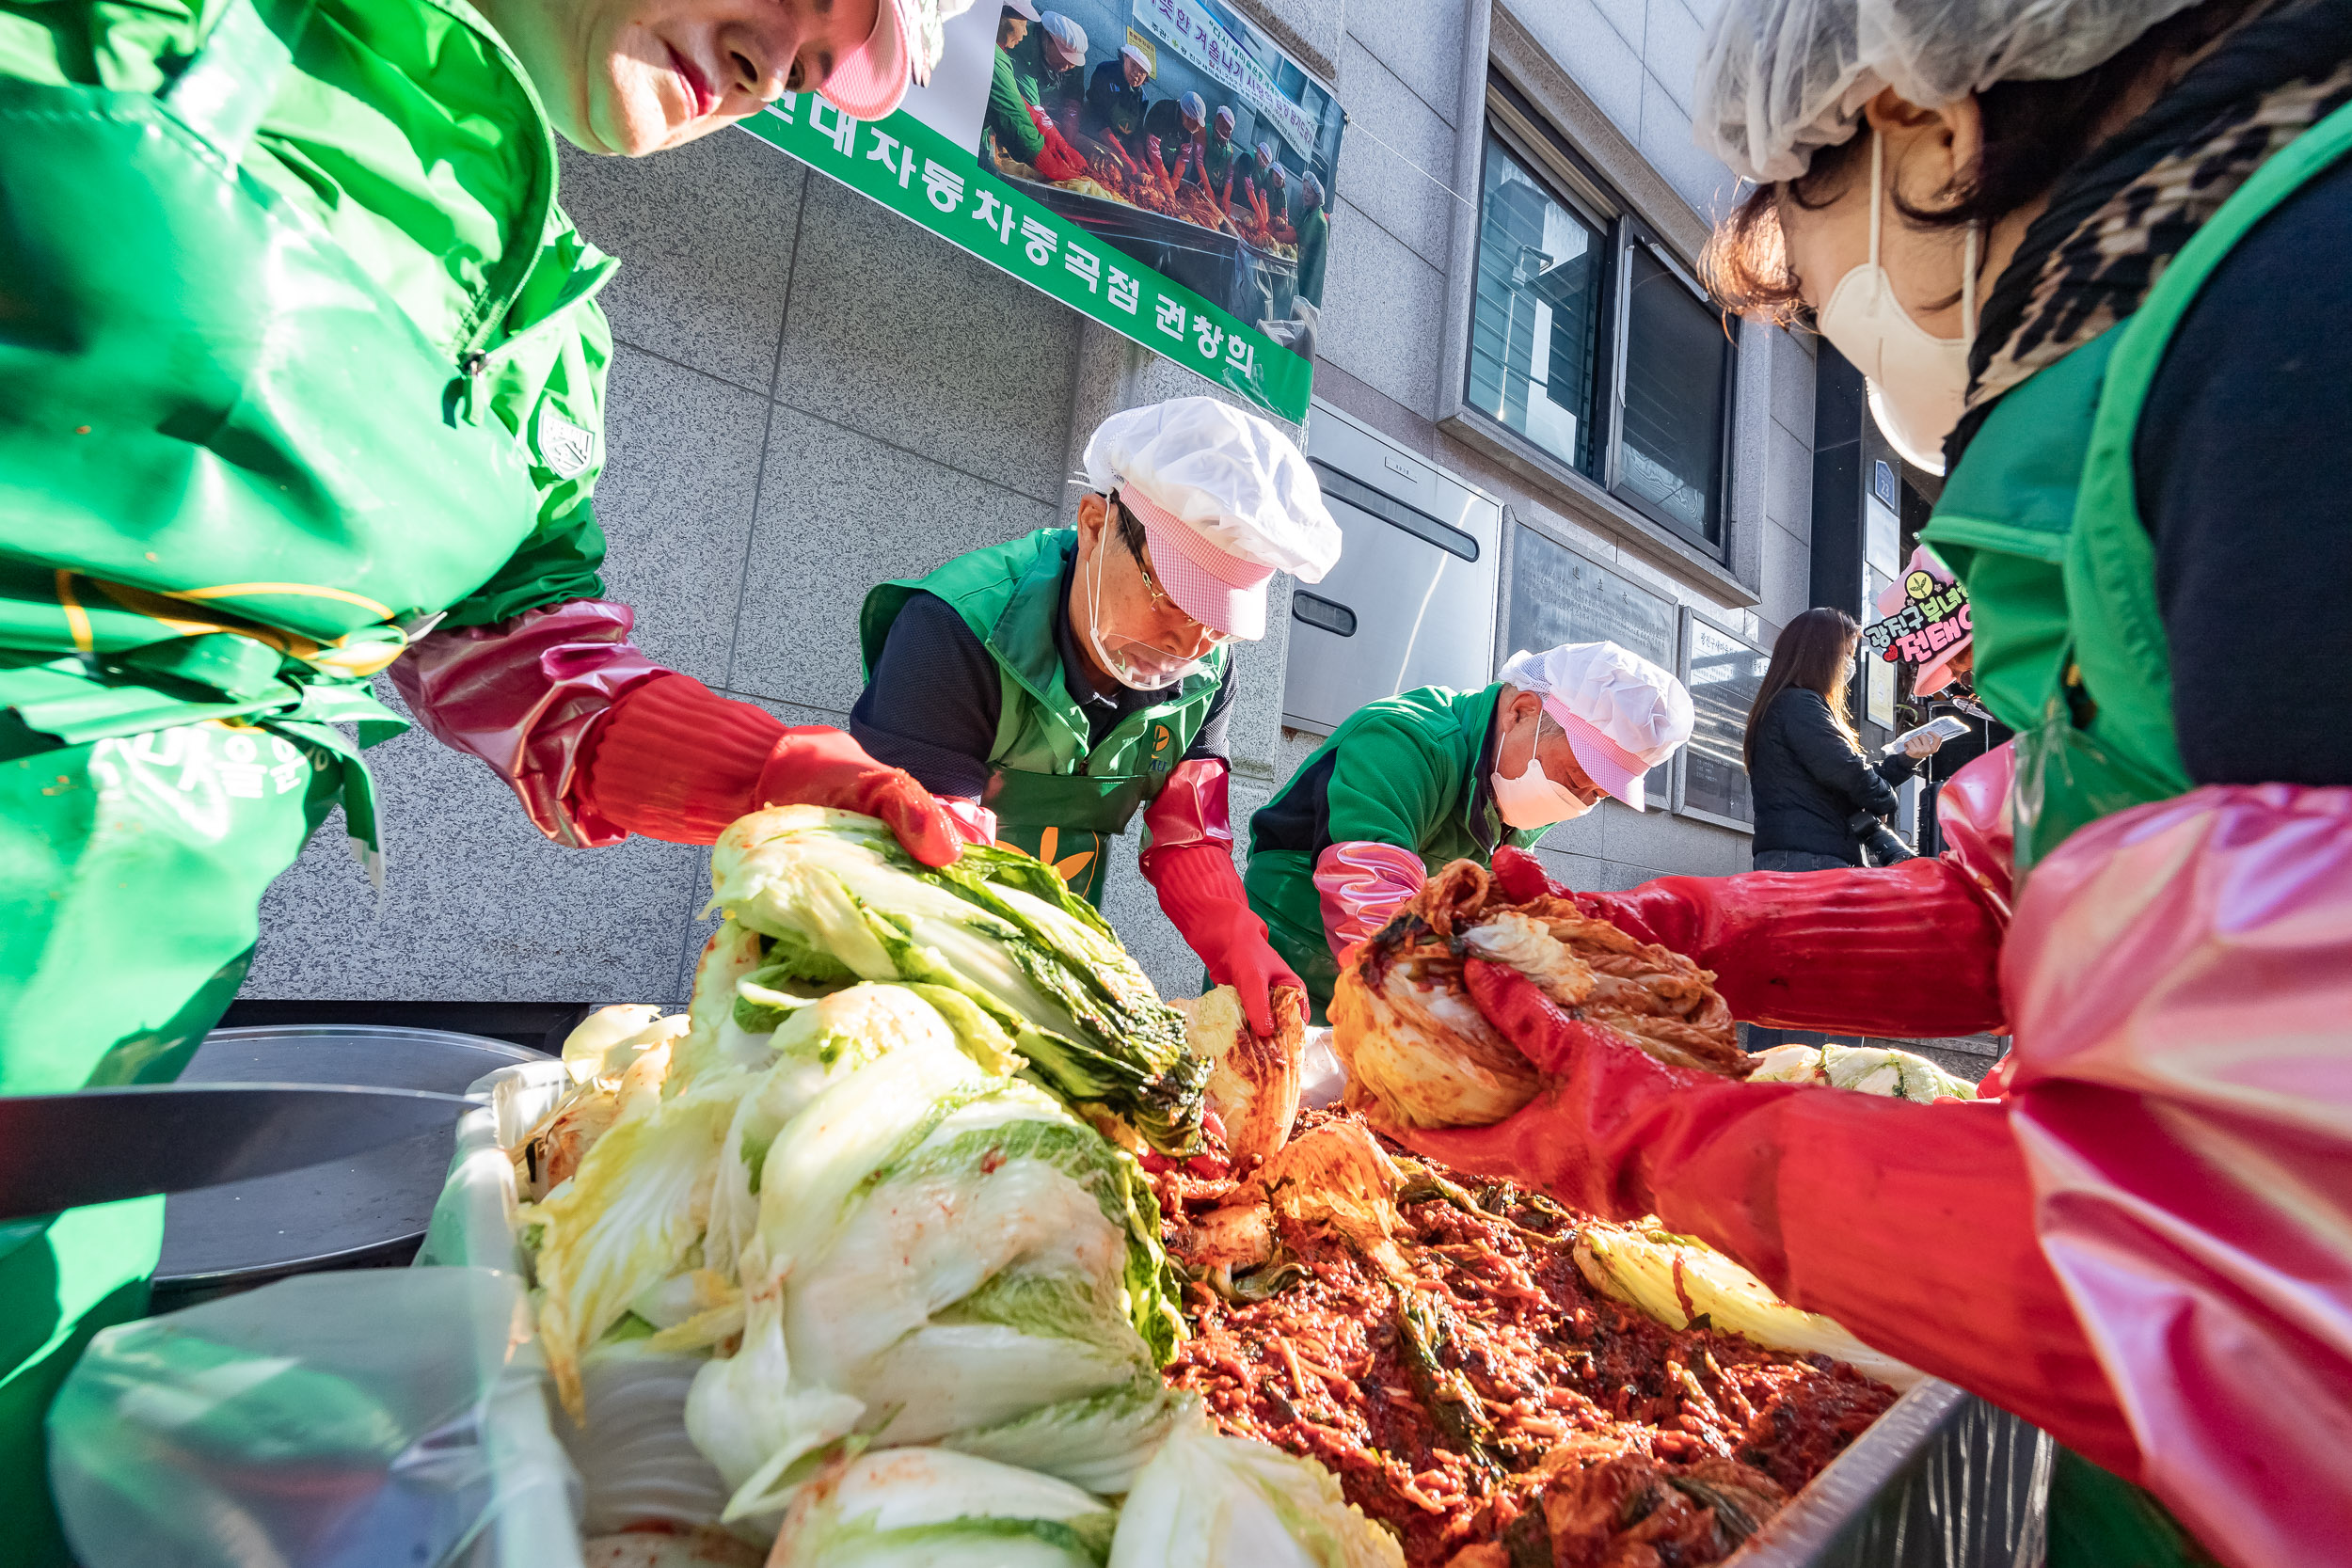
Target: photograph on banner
1178,133
1222,301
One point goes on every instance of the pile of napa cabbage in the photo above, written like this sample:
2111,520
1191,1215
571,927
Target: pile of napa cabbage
883,1182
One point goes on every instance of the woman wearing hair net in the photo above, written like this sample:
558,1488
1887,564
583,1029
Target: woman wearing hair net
2092,253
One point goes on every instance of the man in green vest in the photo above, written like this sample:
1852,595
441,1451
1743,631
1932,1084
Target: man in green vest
1410,783
1051,687
300,406
2142,1242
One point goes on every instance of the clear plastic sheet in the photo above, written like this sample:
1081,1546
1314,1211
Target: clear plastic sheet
1941,1481
330,1420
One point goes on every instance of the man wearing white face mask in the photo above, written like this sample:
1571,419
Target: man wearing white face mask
1049,688
1414,781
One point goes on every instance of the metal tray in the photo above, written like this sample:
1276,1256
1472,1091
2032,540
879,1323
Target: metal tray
1943,1480
369,1210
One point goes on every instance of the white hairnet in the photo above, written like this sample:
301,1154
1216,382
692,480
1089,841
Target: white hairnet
1191,107
1067,35
1132,53
1779,78
1226,474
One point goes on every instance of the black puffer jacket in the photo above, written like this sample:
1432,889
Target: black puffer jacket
1809,780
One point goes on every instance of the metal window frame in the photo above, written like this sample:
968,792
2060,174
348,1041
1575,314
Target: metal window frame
1605,221
1567,179
1632,231
1682,758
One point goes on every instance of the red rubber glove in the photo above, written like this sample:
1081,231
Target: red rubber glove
1058,159
1911,1225
1910,951
1190,865
674,760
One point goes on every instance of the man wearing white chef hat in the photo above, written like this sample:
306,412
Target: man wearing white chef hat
1049,688
1412,782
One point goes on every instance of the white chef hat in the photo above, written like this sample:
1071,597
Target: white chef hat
1135,53
1623,714
1226,500
1193,106
1069,39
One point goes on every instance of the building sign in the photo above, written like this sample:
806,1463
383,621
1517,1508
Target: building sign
1200,254
1202,40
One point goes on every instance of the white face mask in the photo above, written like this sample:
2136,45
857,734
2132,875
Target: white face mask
1918,383
1532,800
1136,666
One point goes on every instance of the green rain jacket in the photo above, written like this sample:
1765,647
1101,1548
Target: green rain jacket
421,439
1012,87
1404,771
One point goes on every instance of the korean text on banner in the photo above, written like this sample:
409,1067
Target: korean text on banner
1200,38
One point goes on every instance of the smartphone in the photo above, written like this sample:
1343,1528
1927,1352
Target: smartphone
1943,727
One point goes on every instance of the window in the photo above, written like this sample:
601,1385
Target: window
1677,396
1589,341
1536,337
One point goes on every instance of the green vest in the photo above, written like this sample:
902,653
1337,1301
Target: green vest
1405,774
1054,794
2042,522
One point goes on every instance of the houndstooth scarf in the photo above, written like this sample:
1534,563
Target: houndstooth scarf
2116,220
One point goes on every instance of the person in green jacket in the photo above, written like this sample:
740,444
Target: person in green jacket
302,377
1051,687
1412,782
1012,84
2091,257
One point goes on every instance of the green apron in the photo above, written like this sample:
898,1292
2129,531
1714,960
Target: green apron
233,473
1403,772
1054,794
2040,520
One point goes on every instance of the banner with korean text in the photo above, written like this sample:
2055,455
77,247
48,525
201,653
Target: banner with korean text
1159,165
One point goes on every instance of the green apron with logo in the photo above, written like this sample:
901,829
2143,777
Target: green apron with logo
234,474
2040,519
1406,775
1054,794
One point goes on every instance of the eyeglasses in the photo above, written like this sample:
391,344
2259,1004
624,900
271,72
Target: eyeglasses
1161,599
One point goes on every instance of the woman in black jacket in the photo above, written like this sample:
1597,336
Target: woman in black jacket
1806,767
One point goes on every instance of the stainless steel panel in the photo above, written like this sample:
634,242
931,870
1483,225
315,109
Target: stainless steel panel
1422,614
